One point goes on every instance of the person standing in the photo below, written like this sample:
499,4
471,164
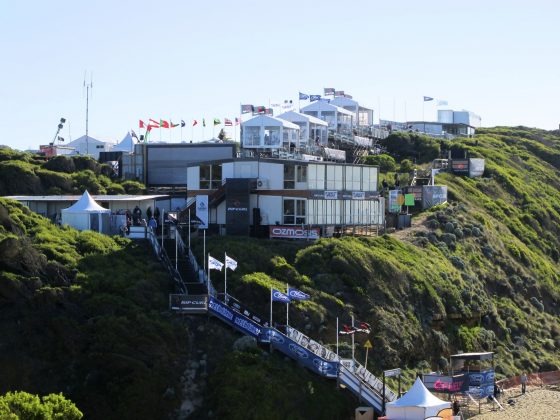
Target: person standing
152,224
456,406
523,382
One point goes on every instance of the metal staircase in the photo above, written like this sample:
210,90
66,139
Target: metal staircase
291,342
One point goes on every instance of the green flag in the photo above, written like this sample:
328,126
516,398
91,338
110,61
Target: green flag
217,121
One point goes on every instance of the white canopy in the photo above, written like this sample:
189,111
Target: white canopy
86,214
294,116
418,404
325,106
126,144
266,120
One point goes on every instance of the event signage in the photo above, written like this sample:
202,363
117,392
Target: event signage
331,195
432,195
358,195
394,206
446,384
237,320
303,356
192,304
460,166
202,210
237,206
236,306
294,232
392,372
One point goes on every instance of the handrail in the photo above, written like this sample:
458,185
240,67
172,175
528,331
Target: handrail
162,255
364,389
311,345
374,382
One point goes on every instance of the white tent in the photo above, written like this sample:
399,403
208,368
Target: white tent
418,404
90,146
86,214
126,145
339,119
311,129
268,132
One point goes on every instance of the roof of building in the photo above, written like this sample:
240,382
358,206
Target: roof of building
86,204
260,120
77,197
324,106
294,116
474,356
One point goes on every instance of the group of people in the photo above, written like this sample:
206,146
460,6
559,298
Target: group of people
136,220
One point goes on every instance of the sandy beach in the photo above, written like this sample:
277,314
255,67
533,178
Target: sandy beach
538,403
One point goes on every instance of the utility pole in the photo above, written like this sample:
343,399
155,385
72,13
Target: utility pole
87,86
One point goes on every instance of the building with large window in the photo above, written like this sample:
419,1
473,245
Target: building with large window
266,195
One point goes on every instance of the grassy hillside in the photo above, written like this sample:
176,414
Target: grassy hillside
480,273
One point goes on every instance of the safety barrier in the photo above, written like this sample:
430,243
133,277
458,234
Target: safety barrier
369,378
533,379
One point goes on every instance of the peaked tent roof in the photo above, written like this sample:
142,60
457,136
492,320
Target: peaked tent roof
419,396
259,120
324,106
126,144
294,116
82,139
86,204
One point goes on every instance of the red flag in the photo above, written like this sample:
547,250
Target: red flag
194,122
153,124
141,124
227,122
173,125
163,124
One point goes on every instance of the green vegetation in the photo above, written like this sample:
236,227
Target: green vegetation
86,314
25,174
24,406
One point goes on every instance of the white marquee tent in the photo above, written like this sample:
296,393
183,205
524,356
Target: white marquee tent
263,131
311,129
86,214
418,404
126,144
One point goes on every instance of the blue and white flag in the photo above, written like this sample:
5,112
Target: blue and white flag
314,97
303,96
231,263
295,294
278,296
427,98
214,264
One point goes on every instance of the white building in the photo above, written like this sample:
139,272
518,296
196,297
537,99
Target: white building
90,146
266,132
269,195
363,116
462,123
339,119
312,131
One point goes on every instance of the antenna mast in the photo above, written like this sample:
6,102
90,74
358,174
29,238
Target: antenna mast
88,86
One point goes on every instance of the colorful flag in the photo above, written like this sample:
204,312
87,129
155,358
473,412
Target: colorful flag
278,296
296,294
231,263
237,121
246,108
339,93
217,121
363,327
194,122
214,264
269,111
427,99
204,122
163,124
183,123
153,124
227,122
173,125
347,329
328,91
141,124
313,98
133,134
303,96
261,109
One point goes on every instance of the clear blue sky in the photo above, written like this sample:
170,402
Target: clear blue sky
187,60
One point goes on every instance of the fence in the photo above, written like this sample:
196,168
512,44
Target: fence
533,379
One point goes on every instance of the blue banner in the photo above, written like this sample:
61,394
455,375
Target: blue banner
303,356
481,384
235,319
278,296
296,294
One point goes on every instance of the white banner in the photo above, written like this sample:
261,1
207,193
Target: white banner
202,210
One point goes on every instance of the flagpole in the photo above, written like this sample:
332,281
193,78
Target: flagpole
208,285
271,308
353,337
181,139
162,212
287,303
176,248
170,131
225,278
337,336
204,246
189,229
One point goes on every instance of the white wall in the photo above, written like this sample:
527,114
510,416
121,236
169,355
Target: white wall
193,178
274,172
245,169
271,209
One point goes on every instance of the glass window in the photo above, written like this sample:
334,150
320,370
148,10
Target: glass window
216,176
294,211
251,136
301,173
204,175
272,136
210,177
289,177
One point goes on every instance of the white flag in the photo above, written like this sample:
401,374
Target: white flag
441,102
231,263
214,264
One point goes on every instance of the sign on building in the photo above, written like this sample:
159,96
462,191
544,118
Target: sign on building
294,232
202,210
237,206
191,304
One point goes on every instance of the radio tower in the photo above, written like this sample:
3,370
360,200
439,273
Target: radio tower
87,87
